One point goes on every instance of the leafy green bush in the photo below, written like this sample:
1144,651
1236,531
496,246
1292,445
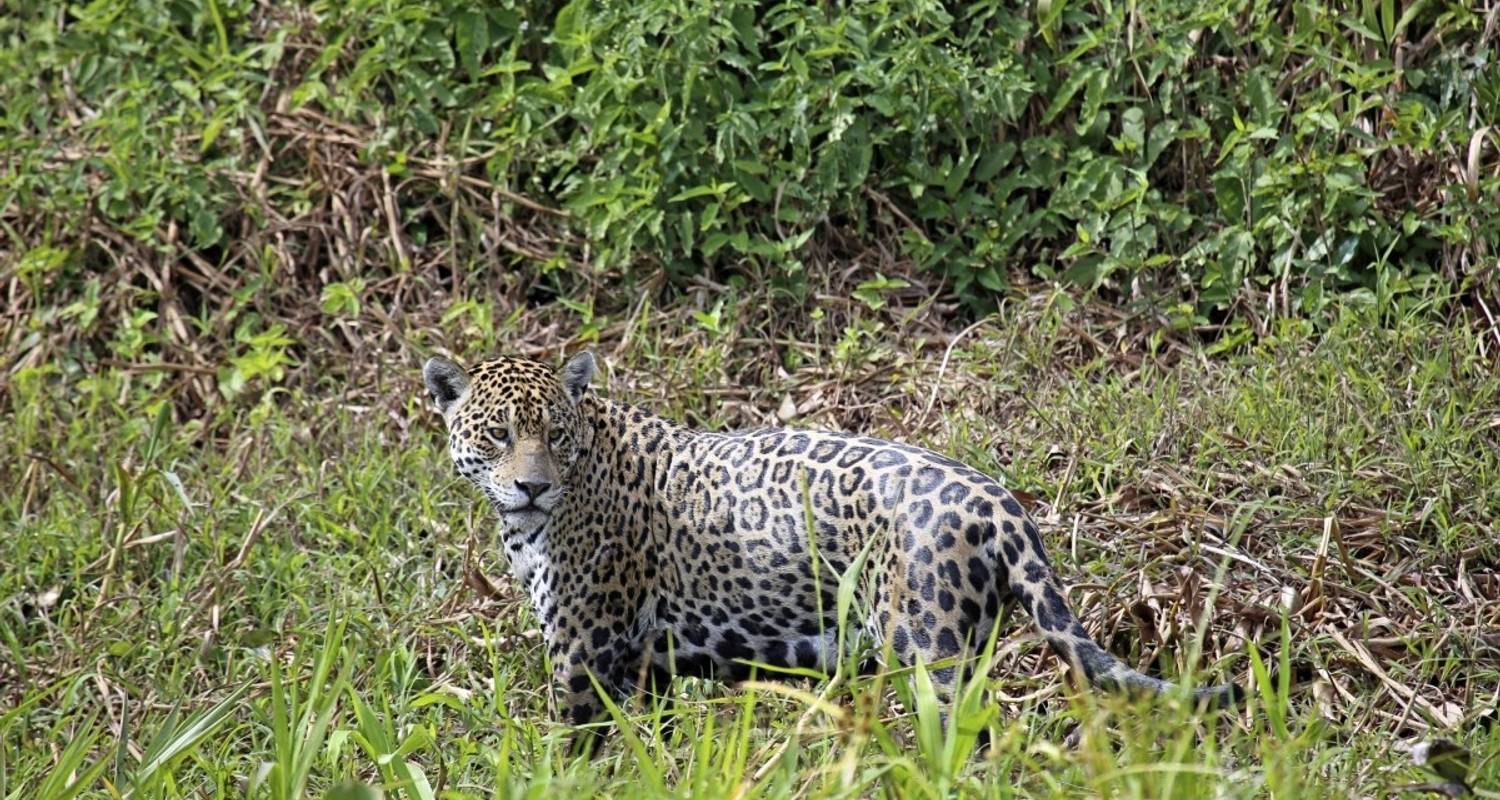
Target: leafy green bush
1215,159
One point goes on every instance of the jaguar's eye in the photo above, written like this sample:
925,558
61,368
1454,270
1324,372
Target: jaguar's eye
556,437
500,436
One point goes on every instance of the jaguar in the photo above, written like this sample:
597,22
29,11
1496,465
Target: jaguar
646,547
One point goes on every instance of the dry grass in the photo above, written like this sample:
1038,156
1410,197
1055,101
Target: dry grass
1344,481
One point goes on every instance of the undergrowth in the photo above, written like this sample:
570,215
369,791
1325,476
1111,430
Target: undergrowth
1215,163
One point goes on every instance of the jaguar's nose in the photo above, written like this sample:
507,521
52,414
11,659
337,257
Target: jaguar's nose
533,489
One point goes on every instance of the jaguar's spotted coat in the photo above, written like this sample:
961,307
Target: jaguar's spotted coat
643,543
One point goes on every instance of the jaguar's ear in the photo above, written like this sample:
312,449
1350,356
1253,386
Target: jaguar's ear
445,380
576,375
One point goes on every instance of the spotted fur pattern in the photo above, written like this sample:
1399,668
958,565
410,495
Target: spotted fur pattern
647,546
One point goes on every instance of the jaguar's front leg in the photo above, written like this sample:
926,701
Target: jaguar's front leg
597,652
574,674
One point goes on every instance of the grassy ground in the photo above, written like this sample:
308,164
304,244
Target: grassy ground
289,597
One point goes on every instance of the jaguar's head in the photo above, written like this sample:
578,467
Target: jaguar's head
514,428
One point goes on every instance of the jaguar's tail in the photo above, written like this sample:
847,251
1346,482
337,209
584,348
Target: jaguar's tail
1037,589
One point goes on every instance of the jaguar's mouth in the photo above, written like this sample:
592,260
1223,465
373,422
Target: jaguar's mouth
529,509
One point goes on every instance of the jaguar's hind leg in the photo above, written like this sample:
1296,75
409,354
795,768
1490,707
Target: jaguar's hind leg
925,612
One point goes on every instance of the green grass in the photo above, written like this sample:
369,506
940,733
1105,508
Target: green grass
274,602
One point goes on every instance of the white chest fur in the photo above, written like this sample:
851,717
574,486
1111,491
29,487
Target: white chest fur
531,566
